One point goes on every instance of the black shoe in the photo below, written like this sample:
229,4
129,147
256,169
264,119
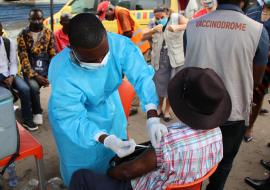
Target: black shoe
258,184
30,125
265,164
133,111
248,139
264,111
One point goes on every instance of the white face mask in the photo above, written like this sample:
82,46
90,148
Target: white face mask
92,66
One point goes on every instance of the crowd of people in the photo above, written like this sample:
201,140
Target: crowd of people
36,46
212,71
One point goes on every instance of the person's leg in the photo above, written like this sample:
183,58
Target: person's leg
24,94
167,116
232,134
258,102
35,96
25,98
85,180
134,105
162,78
160,106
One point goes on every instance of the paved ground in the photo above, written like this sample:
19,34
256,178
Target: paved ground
246,163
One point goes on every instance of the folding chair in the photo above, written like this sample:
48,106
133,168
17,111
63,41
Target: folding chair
196,185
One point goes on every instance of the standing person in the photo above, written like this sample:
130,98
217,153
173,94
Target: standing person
167,55
208,6
260,14
236,47
61,35
87,117
10,80
35,50
126,24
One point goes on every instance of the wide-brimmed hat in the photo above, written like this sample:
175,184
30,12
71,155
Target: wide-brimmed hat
199,98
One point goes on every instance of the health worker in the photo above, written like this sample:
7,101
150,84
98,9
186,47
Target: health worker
85,110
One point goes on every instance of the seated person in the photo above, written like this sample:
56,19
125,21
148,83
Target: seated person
11,81
189,151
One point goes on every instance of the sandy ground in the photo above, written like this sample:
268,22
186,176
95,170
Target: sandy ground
246,163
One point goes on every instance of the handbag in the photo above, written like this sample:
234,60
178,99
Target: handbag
40,63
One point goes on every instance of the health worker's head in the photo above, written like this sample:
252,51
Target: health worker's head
88,38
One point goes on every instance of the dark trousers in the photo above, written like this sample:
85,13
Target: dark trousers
87,180
35,95
24,93
232,134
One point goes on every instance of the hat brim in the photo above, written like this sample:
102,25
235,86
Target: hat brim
194,119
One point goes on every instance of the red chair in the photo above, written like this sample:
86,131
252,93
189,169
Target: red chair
127,93
196,185
29,146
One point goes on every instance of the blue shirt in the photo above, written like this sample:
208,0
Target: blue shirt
255,14
261,55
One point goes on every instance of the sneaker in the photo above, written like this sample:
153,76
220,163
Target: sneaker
30,125
38,119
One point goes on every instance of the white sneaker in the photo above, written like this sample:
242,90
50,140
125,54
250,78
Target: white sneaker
38,119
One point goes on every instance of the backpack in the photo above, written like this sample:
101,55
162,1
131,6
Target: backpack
7,47
9,133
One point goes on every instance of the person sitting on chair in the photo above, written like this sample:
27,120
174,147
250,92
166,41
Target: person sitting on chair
188,152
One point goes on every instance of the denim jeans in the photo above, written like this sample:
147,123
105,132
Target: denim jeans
35,95
85,179
24,93
232,134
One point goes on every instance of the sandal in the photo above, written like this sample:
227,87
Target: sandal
167,118
161,114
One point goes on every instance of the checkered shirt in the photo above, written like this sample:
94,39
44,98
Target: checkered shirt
184,155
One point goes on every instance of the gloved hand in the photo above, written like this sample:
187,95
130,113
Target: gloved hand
120,147
155,130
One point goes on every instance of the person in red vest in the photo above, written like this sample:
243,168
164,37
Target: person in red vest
61,35
126,24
